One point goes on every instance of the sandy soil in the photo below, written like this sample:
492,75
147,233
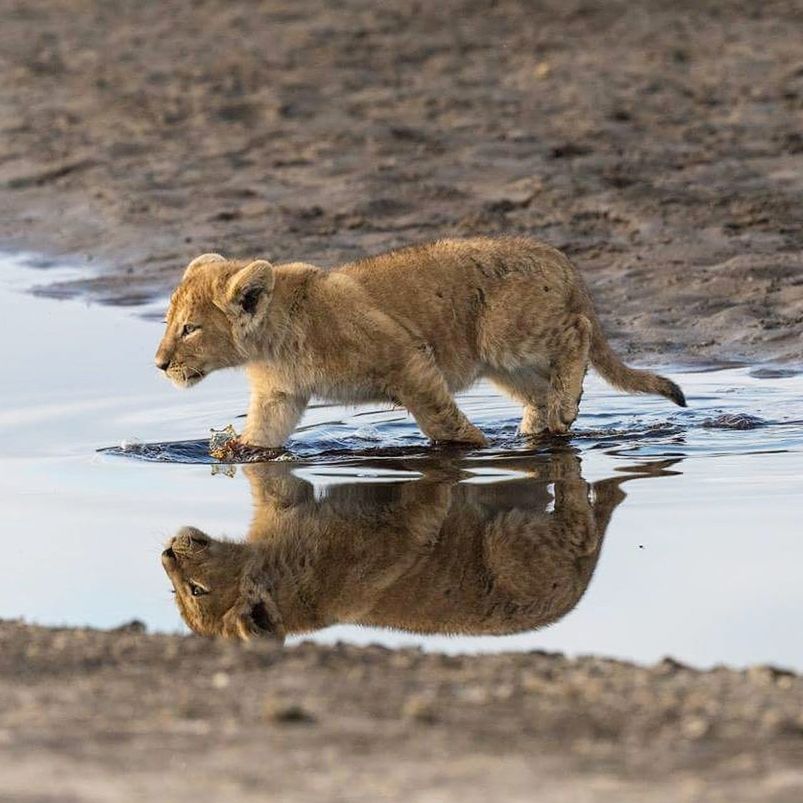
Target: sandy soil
87,715
659,143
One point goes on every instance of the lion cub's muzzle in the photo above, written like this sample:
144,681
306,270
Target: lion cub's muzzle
183,377
188,540
186,543
180,374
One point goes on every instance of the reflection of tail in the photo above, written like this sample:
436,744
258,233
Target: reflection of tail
608,494
622,376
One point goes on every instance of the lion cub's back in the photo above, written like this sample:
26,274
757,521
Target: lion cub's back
448,264
444,286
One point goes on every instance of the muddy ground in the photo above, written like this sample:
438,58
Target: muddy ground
658,143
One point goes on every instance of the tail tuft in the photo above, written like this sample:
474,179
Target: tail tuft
673,392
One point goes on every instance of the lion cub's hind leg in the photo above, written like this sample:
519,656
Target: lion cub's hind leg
529,389
568,364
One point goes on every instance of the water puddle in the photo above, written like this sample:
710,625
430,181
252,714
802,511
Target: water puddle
651,531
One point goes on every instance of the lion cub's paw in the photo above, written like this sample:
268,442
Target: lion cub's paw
468,436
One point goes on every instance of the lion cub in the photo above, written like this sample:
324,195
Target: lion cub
411,327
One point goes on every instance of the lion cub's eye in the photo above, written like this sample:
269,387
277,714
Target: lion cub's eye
188,329
197,591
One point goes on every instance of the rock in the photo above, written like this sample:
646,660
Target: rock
734,421
286,713
133,626
420,708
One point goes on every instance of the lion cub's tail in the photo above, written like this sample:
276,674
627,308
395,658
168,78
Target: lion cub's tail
621,376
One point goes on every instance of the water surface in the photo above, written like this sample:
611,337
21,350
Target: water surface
699,560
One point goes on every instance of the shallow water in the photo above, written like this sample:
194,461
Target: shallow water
701,558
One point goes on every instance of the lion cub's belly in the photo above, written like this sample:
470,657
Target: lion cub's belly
353,393
365,390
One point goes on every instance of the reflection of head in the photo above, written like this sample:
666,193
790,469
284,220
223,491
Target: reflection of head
216,589
433,555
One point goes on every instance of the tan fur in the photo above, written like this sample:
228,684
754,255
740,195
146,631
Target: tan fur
428,556
411,327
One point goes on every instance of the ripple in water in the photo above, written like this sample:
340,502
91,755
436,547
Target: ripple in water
715,423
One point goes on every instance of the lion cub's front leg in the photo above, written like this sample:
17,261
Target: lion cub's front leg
421,388
273,411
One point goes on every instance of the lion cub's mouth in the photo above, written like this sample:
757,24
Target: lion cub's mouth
185,379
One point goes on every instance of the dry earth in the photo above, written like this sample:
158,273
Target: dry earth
123,716
659,143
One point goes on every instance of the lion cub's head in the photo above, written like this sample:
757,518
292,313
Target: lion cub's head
214,317
218,592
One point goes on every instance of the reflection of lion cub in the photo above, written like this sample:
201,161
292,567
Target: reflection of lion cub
411,327
425,556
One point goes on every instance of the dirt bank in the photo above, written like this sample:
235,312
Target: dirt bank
88,715
658,143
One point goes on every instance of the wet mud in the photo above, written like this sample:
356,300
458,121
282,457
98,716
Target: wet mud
659,145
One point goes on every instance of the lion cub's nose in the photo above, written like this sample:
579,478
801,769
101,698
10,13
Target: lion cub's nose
162,364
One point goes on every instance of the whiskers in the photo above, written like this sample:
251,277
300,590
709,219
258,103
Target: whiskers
185,377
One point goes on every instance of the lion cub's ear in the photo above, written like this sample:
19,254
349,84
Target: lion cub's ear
253,616
202,260
248,293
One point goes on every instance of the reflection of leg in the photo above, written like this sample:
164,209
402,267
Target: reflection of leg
423,508
530,390
573,509
278,497
568,370
608,494
421,388
273,485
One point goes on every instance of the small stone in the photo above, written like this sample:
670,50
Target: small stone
220,680
420,709
694,727
133,626
286,713
734,421
542,70
766,673
669,666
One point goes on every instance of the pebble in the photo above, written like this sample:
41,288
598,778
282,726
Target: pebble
286,712
419,708
220,680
